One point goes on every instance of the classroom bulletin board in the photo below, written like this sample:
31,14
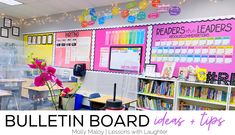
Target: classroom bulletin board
41,45
123,41
208,44
73,47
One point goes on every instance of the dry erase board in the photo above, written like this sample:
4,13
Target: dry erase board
118,37
125,58
73,47
208,44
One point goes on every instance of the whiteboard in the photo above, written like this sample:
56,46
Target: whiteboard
125,58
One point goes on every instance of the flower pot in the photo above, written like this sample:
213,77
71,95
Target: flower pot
68,102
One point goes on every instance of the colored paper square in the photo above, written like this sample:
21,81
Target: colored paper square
218,41
229,50
181,43
205,50
157,43
202,42
220,60
175,43
210,41
226,41
212,50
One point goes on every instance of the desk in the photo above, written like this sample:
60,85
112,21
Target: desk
19,85
101,101
4,93
38,93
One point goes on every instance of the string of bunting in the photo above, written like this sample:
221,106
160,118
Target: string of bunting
131,12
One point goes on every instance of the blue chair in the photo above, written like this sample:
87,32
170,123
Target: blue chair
93,95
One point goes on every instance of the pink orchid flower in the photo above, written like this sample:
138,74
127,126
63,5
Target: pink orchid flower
59,82
66,90
39,81
51,70
63,94
38,64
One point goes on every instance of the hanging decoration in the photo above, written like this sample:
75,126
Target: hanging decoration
155,3
115,10
141,16
174,10
91,22
153,15
134,11
88,17
125,13
94,18
108,16
163,8
143,4
92,11
81,18
131,19
84,24
131,5
85,12
101,20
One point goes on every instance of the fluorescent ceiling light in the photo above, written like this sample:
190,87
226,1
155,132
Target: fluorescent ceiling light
11,2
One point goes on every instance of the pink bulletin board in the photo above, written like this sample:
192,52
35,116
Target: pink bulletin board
208,44
73,47
118,37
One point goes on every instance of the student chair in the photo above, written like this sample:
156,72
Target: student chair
93,95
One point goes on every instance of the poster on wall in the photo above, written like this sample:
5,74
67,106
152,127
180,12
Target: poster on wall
72,48
116,45
208,44
35,44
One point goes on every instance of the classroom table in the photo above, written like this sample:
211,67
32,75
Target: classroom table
101,101
18,82
36,93
4,93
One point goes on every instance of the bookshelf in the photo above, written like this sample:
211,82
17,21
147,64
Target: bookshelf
202,96
156,94
173,94
232,98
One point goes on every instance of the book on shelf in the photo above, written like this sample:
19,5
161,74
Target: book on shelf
232,99
156,87
203,93
153,104
185,106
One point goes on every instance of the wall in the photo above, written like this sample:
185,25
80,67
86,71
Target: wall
103,82
15,22
11,53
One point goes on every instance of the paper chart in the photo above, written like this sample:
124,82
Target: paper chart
73,48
